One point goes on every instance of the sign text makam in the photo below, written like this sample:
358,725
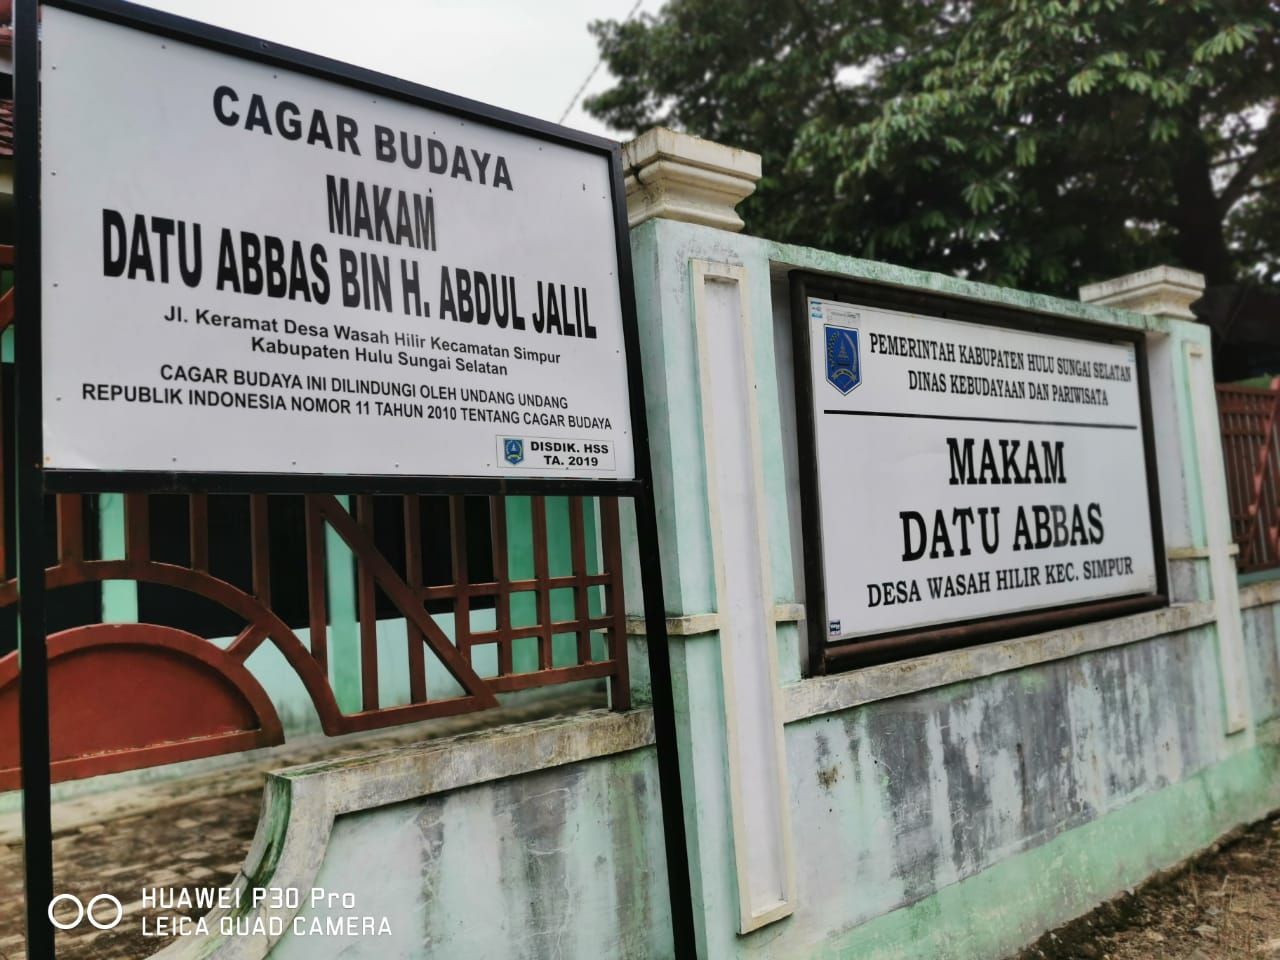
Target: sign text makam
969,470
278,273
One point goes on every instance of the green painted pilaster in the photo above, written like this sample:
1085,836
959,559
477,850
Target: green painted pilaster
661,252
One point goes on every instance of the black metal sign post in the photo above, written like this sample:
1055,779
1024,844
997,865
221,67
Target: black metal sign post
657,642
34,481
33,665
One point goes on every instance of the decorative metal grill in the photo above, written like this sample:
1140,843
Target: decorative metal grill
1250,422
137,669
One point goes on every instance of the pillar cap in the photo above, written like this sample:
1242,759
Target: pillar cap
1161,291
680,177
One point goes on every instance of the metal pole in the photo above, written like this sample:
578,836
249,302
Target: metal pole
33,689
664,724
670,788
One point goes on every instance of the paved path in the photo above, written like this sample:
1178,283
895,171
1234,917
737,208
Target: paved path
191,833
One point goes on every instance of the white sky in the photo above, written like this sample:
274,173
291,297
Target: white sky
525,55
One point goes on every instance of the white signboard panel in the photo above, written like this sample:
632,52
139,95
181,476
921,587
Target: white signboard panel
969,471
251,269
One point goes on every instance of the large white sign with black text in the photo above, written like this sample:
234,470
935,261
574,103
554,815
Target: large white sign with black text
969,471
250,269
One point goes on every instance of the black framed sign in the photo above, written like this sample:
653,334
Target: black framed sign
256,267
969,472
241,267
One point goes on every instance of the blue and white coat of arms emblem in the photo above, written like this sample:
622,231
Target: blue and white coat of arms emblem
844,369
513,450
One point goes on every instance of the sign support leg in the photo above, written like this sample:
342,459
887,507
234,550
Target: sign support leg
664,722
33,691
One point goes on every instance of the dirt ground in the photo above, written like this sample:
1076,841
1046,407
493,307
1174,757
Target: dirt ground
1223,905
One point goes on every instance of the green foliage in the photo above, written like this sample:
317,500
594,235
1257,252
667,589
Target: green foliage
1039,143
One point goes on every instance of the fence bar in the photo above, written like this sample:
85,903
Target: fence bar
137,527
260,534
540,576
70,528
317,605
615,605
578,552
501,574
198,530
492,589
367,612
462,601
413,576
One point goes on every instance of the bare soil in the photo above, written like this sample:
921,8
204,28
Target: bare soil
1222,905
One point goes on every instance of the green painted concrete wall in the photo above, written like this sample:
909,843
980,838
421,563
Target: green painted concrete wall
563,863
959,822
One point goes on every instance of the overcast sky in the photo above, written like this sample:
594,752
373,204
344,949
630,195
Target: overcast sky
524,55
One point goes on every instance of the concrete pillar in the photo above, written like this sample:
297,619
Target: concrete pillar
678,177
1197,524
703,317
1159,292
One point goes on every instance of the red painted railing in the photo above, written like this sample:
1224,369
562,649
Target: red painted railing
1250,422
161,693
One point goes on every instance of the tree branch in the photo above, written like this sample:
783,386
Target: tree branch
1266,152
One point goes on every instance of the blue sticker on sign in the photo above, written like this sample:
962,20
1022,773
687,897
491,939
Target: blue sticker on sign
844,370
513,450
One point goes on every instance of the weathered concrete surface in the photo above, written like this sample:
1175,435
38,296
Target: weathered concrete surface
571,795
191,832
901,799
1261,615
565,862
952,807
955,822
900,678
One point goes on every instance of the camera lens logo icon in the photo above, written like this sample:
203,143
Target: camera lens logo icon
84,911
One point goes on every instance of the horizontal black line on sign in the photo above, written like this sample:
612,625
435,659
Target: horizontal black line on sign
939,416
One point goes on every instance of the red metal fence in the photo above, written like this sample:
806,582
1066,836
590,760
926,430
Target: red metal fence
1250,424
122,695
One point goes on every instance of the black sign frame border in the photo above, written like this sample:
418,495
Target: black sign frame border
826,657
33,482
219,40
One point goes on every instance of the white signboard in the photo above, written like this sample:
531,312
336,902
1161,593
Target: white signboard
968,471
250,269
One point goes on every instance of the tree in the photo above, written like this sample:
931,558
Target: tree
1035,143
